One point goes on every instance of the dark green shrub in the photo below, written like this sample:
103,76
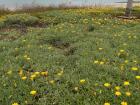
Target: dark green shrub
90,28
22,19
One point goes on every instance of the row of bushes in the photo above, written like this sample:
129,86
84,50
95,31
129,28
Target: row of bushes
20,19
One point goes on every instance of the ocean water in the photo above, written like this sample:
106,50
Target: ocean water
19,3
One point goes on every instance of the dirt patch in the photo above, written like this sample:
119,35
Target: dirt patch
65,46
59,43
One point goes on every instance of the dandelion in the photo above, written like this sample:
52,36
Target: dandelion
44,73
9,72
20,72
51,81
122,51
96,62
24,78
126,83
126,61
33,92
117,88
128,93
117,93
138,77
107,85
60,73
33,76
82,81
134,68
37,73
124,103
101,63
28,58
15,103
100,49
107,103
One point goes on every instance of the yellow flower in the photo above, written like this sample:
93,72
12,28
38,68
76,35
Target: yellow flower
117,93
9,72
138,77
100,49
28,58
126,61
82,81
121,51
124,103
126,83
117,88
33,76
15,103
128,93
20,72
134,68
101,63
96,62
107,85
60,73
51,81
33,92
24,78
106,103
37,73
44,73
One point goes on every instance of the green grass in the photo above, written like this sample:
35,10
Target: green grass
66,44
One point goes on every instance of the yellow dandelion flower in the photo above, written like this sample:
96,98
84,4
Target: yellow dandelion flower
117,87
101,63
44,73
15,103
128,93
126,61
33,92
107,84
9,72
117,93
24,78
82,81
96,62
122,51
138,77
100,49
33,76
107,103
37,73
124,103
28,58
134,68
126,83
20,72
51,81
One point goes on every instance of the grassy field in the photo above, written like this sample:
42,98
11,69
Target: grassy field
69,57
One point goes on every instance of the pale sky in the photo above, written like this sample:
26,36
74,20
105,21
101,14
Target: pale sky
18,3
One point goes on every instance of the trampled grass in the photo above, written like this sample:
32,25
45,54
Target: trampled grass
70,57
